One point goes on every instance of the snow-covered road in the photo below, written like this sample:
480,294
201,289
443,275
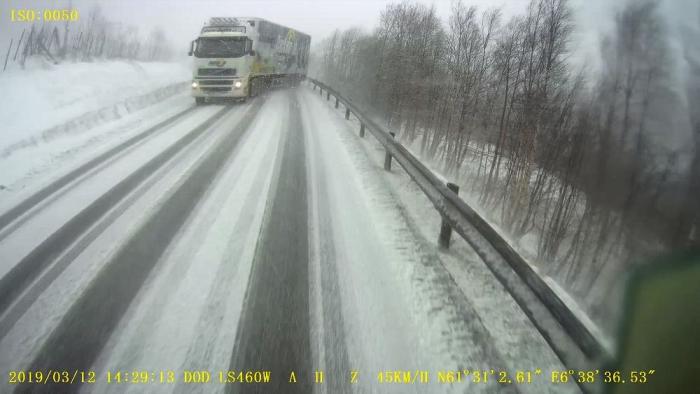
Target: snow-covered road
252,237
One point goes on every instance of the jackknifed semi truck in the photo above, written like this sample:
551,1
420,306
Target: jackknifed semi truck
239,57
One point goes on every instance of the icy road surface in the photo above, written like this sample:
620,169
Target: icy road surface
256,236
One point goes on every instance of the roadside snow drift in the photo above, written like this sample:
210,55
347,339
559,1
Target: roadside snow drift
42,97
57,116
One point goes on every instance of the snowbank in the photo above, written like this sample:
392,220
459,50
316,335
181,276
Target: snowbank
44,100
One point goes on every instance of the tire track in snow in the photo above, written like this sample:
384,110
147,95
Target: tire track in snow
36,288
218,315
22,274
85,328
327,316
184,318
273,332
28,205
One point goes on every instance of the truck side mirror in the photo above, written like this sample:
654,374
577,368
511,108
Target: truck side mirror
191,49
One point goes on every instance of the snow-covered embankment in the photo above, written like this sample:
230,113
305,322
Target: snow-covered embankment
53,113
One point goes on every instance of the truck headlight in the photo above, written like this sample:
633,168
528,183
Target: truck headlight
237,84
195,84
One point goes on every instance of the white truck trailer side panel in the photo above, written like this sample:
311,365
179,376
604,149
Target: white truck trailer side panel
279,49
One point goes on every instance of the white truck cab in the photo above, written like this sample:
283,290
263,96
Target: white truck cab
234,57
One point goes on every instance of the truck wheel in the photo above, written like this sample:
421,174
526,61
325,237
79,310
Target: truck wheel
254,87
199,100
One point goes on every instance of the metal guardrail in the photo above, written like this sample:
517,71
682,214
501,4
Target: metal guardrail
554,320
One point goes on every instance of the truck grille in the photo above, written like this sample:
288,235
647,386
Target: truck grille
216,89
217,72
204,82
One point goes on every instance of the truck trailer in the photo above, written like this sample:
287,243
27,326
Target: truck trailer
238,57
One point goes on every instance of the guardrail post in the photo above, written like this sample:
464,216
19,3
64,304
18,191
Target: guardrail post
336,101
387,156
328,96
445,229
362,130
347,113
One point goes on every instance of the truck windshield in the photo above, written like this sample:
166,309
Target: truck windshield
221,47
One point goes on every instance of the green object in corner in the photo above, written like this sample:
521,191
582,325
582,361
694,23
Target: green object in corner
661,331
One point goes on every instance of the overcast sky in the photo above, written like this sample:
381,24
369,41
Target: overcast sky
182,19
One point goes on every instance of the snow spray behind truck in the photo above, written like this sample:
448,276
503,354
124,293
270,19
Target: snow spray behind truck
240,57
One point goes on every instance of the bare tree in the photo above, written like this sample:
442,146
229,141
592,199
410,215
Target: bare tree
572,162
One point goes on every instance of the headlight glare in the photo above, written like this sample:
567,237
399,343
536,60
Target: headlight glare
237,84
